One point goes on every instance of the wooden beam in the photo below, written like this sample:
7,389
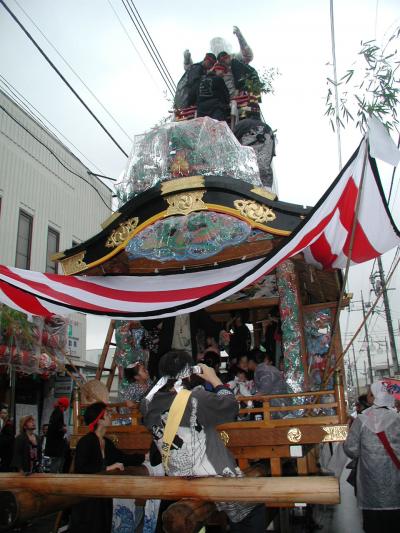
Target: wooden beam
321,490
106,347
257,303
18,506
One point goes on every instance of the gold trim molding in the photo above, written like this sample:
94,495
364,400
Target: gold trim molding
264,193
185,203
294,435
255,211
335,433
110,219
120,234
176,185
225,437
74,264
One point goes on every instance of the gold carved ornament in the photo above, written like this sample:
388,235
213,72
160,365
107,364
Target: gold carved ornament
185,202
255,211
294,435
114,439
176,185
335,433
120,234
224,437
74,264
263,192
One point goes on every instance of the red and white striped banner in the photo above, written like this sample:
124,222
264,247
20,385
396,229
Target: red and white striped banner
323,236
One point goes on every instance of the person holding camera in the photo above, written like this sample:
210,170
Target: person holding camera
182,418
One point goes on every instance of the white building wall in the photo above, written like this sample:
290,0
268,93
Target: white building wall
32,179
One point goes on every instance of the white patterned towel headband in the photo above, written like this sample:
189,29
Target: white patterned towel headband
184,373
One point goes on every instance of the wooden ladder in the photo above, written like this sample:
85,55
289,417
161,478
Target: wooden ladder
103,357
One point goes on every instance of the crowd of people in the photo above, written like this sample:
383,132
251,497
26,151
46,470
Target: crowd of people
29,451
183,403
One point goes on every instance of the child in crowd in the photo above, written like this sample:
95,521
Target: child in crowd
242,386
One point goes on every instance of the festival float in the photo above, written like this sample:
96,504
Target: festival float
203,229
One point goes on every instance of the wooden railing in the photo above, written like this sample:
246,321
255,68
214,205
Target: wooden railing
305,407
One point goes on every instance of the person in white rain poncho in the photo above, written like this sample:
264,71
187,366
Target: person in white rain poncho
374,440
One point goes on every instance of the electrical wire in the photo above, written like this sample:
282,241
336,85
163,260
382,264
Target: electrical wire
132,16
74,71
61,75
28,106
144,27
54,154
134,20
134,46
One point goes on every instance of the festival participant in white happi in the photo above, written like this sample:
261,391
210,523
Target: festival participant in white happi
374,440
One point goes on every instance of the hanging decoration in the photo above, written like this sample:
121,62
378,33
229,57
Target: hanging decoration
31,346
317,330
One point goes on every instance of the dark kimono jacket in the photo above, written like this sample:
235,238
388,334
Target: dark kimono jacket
55,442
94,515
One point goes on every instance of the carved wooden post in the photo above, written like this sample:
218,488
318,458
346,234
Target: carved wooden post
339,393
292,330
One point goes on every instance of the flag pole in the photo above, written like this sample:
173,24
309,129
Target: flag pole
335,327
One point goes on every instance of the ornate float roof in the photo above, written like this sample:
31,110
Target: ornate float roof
105,253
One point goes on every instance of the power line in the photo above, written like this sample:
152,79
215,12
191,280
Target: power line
165,68
60,75
28,106
54,154
133,17
74,71
134,46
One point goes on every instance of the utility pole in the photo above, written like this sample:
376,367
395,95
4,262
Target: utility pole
355,370
350,373
365,373
387,357
389,322
371,377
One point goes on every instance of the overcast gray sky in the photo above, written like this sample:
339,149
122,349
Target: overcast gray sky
292,35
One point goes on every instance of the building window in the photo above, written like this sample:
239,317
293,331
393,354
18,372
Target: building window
24,241
53,240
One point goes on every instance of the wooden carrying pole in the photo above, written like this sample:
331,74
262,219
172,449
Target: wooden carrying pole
321,490
191,515
21,505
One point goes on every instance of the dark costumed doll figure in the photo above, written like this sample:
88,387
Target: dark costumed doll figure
96,453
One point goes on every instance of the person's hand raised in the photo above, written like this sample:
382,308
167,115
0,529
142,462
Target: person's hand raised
209,375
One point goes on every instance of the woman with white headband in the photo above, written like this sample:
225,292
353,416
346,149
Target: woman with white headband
374,439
